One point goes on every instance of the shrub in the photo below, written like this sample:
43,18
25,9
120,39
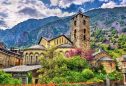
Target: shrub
77,63
95,80
87,73
124,49
115,75
100,76
6,78
59,80
76,77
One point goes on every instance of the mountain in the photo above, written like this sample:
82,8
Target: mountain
29,32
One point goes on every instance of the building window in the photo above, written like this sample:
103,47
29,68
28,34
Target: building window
84,30
75,23
84,37
82,16
31,59
62,39
125,77
25,59
36,57
75,34
57,41
84,22
36,81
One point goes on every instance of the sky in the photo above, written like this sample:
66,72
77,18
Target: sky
13,12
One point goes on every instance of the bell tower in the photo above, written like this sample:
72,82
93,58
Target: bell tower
80,31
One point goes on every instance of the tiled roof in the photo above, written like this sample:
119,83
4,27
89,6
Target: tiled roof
8,52
99,51
79,13
22,68
37,47
105,59
50,39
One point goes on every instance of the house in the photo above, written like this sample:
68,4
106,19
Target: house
103,58
9,58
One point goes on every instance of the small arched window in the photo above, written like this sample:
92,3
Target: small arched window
57,42
75,34
31,59
75,23
84,37
62,39
36,58
82,16
84,22
84,30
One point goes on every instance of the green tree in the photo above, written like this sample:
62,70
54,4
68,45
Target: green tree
52,67
50,52
122,40
6,78
87,73
76,63
67,69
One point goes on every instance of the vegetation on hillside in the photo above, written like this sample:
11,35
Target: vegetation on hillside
110,41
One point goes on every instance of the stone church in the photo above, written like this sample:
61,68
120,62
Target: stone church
80,38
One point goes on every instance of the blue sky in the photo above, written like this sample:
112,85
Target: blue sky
13,12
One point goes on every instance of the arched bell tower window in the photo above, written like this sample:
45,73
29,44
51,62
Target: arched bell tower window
75,34
84,30
75,23
84,22
82,16
84,37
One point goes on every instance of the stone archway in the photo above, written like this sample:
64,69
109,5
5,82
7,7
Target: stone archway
101,55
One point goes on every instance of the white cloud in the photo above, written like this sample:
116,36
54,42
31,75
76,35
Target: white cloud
67,3
110,4
123,3
20,10
104,0
54,2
